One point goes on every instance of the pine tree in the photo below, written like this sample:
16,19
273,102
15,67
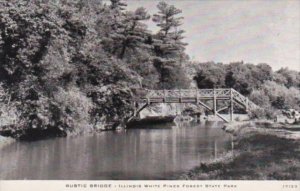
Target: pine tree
168,45
135,32
126,29
117,5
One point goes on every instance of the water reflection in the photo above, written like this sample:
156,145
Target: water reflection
150,152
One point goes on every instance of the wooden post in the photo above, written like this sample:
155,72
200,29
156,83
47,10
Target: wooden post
198,117
231,105
179,95
147,97
135,108
215,102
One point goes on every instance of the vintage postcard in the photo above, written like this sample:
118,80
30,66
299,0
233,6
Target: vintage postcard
149,95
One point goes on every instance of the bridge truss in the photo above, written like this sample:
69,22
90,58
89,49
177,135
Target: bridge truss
195,96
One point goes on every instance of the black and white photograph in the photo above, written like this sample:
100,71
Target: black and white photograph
95,90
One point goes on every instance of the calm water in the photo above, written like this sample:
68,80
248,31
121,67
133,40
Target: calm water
159,152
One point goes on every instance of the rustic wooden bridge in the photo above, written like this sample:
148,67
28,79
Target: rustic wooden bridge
194,96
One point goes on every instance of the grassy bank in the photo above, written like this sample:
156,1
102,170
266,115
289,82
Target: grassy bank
259,154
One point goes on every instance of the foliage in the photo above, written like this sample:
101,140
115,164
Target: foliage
271,90
282,97
210,75
57,57
169,47
246,77
127,30
288,77
8,111
52,58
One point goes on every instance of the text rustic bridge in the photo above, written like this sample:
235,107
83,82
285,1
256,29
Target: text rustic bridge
195,96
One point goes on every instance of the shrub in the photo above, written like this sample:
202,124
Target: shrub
262,113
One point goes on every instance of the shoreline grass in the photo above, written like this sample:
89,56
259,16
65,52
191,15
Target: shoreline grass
260,154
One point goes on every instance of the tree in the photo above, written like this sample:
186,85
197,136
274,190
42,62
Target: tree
168,45
282,97
238,77
111,25
52,61
126,30
117,5
210,75
289,78
169,37
134,34
261,73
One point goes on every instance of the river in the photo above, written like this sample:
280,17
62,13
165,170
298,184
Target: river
149,152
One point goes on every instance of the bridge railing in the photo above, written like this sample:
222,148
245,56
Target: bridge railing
188,93
243,100
226,93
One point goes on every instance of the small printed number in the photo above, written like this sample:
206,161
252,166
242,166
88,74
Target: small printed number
290,186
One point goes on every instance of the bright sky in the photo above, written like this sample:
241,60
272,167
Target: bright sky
255,31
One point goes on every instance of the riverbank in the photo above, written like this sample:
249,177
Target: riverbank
5,141
259,154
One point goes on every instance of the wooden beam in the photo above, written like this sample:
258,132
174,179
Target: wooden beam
223,108
214,102
224,119
231,105
140,109
204,105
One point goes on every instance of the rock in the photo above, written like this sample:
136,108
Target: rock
5,141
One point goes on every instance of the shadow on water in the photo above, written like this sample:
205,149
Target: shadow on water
147,152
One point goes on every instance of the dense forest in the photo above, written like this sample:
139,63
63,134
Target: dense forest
68,66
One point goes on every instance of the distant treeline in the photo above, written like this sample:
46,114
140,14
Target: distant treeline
272,90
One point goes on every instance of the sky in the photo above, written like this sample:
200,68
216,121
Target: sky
253,31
